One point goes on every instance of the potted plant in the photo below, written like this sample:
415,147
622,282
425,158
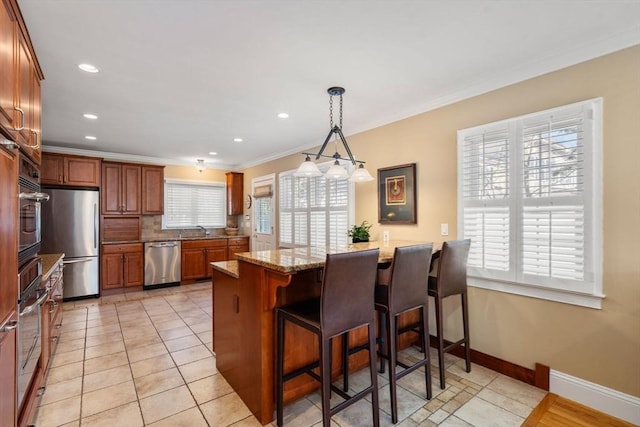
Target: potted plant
360,233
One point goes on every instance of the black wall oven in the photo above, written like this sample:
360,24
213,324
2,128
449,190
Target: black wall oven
29,209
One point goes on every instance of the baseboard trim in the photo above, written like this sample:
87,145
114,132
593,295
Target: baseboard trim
538,377
604,399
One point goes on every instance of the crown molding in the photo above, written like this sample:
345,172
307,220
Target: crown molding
106,155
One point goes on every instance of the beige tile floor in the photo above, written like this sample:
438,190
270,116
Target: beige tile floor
145,358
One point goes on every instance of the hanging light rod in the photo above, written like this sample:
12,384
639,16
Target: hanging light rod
335,156
336,171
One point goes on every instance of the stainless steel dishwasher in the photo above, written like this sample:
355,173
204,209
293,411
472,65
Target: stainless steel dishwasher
161,264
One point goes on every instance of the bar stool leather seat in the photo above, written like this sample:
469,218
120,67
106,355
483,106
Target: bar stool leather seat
405,290
451,279
345,303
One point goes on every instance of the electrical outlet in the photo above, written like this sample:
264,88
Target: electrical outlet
385,236
444,229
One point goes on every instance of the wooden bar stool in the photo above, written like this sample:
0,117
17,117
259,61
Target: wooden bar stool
346,303
451,279
405,290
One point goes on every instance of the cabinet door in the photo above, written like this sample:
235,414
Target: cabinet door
8,233
25,70
133,269
7,76
110,190
81,171
193,263
235,183
131,184
35,110
235,249
214,255
45,349
52,169
8,373
152,190
112,271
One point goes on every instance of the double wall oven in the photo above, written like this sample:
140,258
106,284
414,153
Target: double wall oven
31,294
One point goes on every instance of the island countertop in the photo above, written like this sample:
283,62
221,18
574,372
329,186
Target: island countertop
300,259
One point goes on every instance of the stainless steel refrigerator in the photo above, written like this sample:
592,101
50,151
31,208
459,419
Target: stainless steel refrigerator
70,226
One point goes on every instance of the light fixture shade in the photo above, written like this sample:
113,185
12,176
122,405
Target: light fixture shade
308,168
200,166
361,175
337,172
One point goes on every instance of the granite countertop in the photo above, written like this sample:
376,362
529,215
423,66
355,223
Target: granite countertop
298,259
49,262
229,268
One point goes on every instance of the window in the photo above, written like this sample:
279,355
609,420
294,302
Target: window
314,211
192,203
529,198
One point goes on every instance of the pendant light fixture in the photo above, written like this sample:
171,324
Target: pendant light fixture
336,171
200,165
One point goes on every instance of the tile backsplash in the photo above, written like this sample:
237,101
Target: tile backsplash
152,229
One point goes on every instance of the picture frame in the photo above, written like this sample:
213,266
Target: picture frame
397,194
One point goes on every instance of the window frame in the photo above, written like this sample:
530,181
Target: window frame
192,182
327,209
514,282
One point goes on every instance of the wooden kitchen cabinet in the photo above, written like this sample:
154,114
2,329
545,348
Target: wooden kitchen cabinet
8,233
152,190
235,188
122,265
120,190
51,315
196,256
235,245
20,102
8,410
73,171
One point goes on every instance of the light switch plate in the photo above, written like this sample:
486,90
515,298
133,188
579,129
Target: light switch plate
444,229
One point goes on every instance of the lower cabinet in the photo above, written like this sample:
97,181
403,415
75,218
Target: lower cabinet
52,317
122,265
197,254
8,369
237,244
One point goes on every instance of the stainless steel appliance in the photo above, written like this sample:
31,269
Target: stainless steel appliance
29,213
161,264
29,346
70,226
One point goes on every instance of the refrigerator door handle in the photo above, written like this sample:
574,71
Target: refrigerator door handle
95,225
76,261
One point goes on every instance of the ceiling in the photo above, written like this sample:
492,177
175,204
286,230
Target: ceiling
181,78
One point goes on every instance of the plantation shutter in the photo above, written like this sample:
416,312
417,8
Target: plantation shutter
190,204
553,164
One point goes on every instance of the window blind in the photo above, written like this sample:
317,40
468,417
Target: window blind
314,211
189,204
528,199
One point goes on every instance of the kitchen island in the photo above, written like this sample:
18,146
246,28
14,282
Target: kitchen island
245,294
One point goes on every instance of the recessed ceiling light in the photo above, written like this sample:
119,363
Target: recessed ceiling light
283,115
90,137
88,68
90,116
237,139
213,153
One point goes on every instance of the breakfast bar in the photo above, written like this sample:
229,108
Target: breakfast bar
245,293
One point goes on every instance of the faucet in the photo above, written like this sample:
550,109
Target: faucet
206,232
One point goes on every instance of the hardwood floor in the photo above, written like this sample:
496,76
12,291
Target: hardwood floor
556,411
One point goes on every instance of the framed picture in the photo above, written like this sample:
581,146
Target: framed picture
397,194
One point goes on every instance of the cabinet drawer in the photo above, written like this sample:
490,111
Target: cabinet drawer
122,248
238,241
199,244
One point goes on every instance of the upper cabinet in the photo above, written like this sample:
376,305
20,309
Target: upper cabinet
235,186
74,171
20,101
152,190
120,191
